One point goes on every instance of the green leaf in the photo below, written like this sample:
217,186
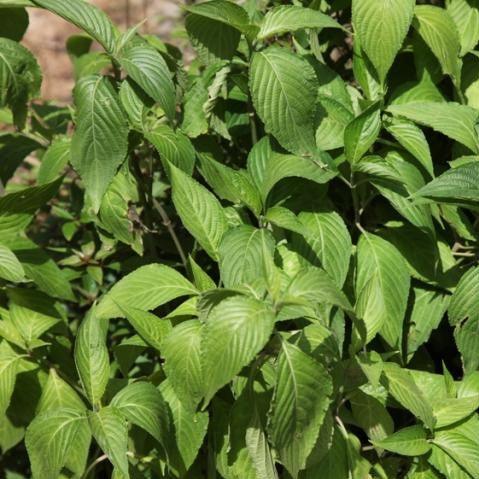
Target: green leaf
201,278
150,327
222,11
334,463
315,286
135,103
438,30
289,18
9,366
215,28
410,137
79,45
100,143
8,331
382,288
333,117
53,437
284,218
17,209
109,428
469,80
190,429
284,88
20,79
145,288
233,185
361,133
235,331
382,27
410,441
434,387
194,118
465,300
33,313
460,448
456,185
14,23
408,179
451,410
142,404
416,92
469,386
40,268
213,40
148,69
54,160
10,435
246,254
365,73
400,384
257,443
451,119
427,312
467,341
300,401
91,356
115,215
173,147
268,172
10,268
325,242
15,148
92,63
371,415
85,16
199,210
465,14
184,371
448,467
229,425
422,470
58,394
15,3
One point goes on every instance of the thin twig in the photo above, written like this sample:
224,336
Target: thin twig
169,226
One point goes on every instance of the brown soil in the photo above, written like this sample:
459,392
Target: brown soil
47,34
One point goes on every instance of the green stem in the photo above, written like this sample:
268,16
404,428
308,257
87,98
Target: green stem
169,226
252,123
93,465
147,207
356,206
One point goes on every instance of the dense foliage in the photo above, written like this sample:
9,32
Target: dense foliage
261,264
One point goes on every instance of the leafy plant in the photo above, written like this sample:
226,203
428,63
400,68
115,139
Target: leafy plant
261,264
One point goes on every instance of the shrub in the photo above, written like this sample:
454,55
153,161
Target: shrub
260,265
